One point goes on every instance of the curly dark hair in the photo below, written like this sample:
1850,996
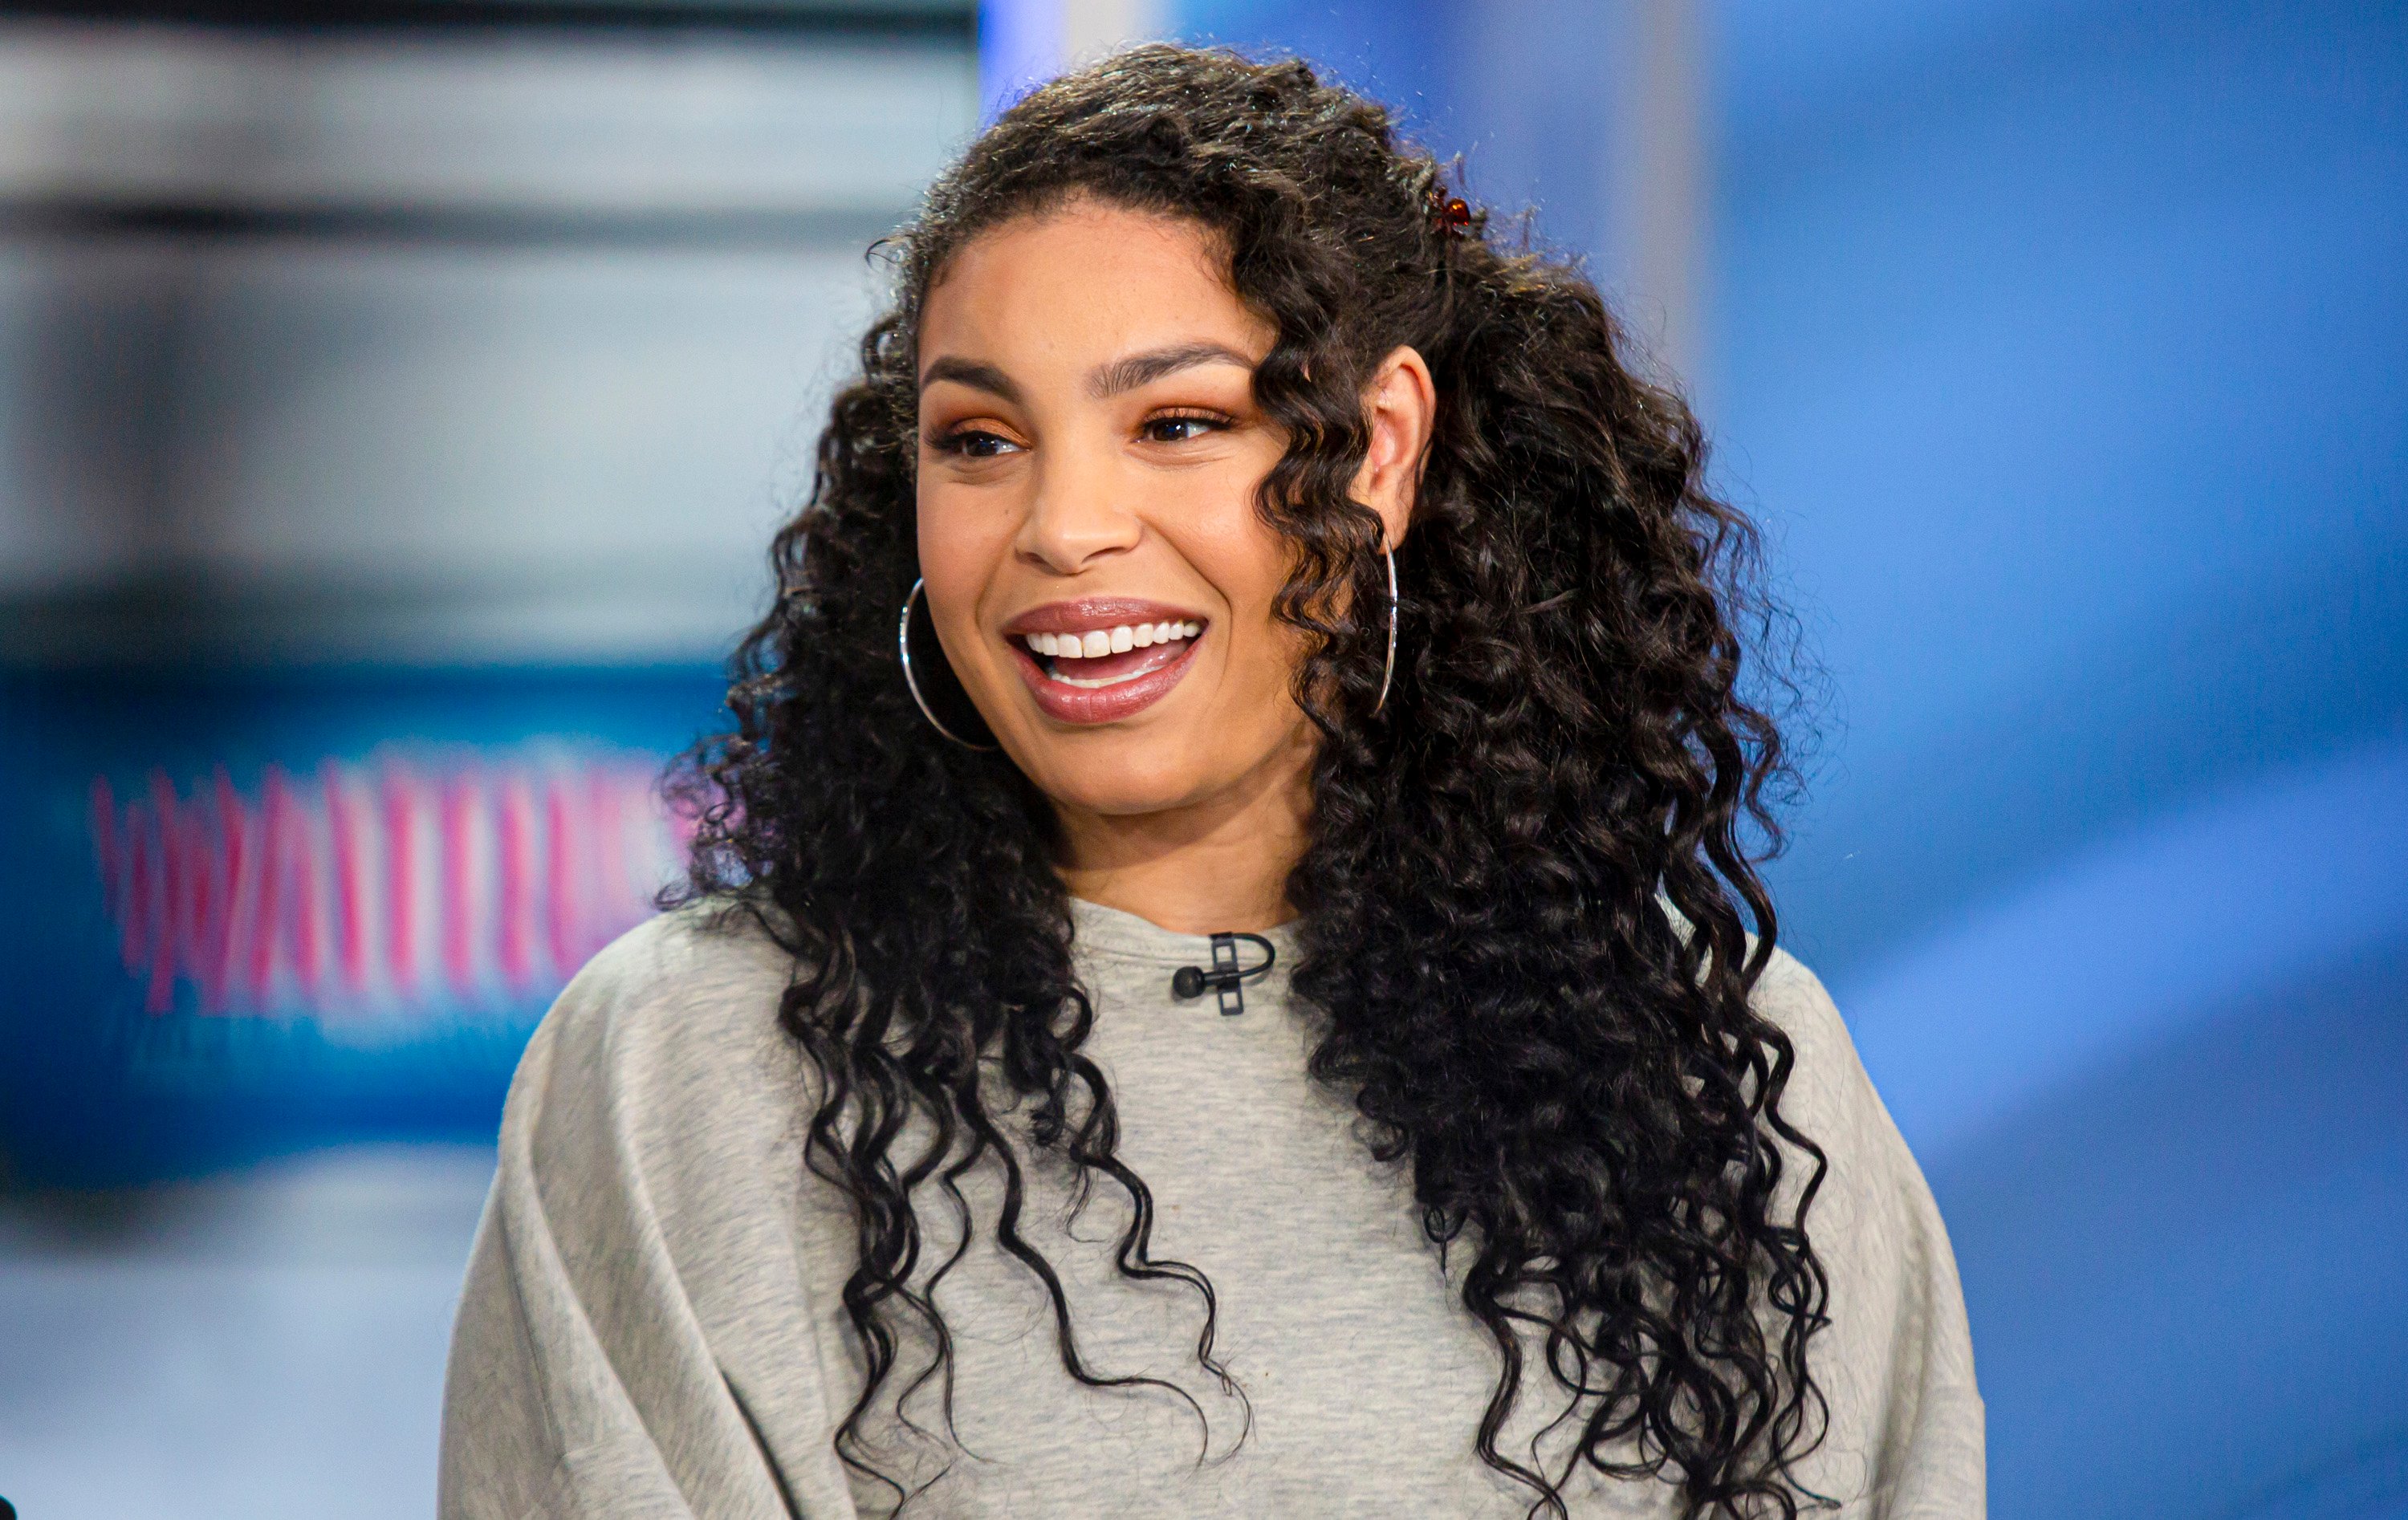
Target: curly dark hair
1529,888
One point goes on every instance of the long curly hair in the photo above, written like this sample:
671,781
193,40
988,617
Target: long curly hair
1528,890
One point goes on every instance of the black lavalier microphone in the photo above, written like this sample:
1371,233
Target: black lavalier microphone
1226,977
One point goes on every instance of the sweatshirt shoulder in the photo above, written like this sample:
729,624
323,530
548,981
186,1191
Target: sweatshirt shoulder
1794,998
1896,1367
703,955
689,998
1828,1088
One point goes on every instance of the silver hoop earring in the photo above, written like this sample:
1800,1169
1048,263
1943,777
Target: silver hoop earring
903,644
1388,671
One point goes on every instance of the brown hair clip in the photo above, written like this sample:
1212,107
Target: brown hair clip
1449,214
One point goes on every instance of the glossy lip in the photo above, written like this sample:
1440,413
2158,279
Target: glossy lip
1065,703
1095,612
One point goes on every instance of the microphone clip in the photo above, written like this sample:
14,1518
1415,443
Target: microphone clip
1227,977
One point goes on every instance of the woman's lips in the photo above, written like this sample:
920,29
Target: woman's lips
1146,676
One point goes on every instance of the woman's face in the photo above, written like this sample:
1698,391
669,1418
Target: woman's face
1088,458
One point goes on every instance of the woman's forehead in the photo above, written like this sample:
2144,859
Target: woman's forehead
1091,275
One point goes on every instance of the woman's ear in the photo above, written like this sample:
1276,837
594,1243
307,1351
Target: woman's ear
1401,407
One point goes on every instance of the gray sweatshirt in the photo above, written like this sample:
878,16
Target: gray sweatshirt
652,1322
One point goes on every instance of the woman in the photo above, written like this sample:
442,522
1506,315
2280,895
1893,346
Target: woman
1275,560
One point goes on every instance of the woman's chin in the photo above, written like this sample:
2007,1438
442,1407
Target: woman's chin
1125,776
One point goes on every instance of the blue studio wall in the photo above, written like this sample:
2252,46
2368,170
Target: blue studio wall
2062,348
396,407
393,420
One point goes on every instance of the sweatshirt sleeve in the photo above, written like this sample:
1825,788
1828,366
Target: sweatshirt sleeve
652,1127
1904,1441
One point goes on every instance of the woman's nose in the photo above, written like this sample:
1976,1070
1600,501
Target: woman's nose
1079,514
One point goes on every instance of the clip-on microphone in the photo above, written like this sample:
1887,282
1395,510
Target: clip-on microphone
1226,977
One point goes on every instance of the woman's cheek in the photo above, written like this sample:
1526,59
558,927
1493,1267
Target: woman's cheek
960,548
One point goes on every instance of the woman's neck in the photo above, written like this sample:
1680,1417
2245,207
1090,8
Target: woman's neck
1217,866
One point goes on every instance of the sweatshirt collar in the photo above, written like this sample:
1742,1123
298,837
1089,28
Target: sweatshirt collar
1109,931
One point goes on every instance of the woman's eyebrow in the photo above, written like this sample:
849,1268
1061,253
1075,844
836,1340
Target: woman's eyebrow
1124,375
969,372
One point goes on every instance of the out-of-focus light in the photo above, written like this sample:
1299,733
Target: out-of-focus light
397,883
1023,43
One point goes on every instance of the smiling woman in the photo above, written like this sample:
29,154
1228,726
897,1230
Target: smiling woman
1090,454
1275,559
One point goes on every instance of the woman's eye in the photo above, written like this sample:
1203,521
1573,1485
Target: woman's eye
1179,429
970,443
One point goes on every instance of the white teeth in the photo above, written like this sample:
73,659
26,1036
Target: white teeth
1100,641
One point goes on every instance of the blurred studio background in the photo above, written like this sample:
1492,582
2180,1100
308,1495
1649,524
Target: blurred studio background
397,396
